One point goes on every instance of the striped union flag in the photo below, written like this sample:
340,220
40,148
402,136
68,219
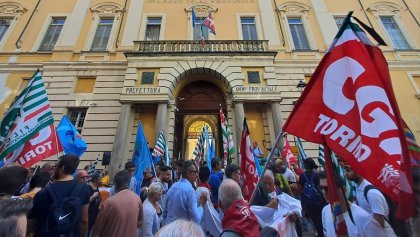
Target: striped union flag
228,145
160,146
199,148
29,113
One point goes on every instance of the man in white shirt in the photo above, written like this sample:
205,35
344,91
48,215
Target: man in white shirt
281,167
375,204
362,224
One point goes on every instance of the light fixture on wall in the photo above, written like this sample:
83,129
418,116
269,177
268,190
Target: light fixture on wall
301,86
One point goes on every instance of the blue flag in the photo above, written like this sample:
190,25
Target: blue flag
193,18
208,148
70,138
257,166
141,157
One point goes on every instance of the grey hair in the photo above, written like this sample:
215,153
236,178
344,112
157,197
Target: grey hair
181,228
229,192
269,174
153,189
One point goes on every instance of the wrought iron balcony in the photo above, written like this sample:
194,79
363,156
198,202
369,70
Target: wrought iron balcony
195,46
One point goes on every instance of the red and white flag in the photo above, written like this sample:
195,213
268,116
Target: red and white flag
209,23
247,164
350,106
287,153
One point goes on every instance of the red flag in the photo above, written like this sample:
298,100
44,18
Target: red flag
247,163
287,152
350,106
43,145
209,23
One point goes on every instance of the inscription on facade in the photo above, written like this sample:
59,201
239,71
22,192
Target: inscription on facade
200,1
142,90
255,89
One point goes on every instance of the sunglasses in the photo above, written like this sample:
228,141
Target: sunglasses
131,170
193,171
324,188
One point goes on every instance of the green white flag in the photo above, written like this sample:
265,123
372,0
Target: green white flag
29,113
228,145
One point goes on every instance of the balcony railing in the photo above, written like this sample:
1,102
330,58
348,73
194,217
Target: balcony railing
195,46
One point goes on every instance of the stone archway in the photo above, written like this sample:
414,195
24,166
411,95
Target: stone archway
198,100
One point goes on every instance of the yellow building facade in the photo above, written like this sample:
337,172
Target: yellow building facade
110,64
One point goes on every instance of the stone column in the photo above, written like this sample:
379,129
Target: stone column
269,22
120,140
161,119
73,25
326,20
132,25
277,118
239,120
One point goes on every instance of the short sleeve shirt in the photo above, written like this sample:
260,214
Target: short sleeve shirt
377,202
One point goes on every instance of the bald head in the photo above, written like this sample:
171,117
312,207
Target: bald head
82,176
267,181
229,192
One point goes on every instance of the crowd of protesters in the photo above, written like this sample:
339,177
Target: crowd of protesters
187,200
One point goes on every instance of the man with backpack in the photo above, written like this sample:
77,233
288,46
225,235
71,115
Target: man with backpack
312,199
372,200
61,209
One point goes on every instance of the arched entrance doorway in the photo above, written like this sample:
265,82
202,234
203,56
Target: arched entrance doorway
197,105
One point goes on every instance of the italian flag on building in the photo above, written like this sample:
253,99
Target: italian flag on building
27,134
228,145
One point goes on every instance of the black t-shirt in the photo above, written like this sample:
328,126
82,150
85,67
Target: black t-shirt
42,200
93,206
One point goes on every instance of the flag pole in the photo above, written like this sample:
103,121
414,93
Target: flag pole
270,157
334,199
56,141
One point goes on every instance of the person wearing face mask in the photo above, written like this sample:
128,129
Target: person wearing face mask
267,191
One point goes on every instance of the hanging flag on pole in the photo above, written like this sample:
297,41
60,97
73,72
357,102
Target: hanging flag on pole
349,105
413,147
70,138
209,23
160,149
321,158
287,153
209,156
27,134
228,146
193,17
247,163
141,157
92,167
302,154
199,148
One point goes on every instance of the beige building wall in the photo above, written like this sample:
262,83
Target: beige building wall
119,67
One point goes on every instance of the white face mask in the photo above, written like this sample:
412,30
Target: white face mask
272,195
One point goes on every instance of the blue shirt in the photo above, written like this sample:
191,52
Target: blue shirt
257,152
181,203
215,181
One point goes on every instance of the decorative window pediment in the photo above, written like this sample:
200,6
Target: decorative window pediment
382,7
202,9
106,8
293,8
11,8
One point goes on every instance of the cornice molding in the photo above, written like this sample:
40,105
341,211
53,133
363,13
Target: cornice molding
293,7
382,7
106,8
11,8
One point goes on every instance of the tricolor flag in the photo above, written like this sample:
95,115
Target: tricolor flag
228,146
247,164
349,105
27,134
